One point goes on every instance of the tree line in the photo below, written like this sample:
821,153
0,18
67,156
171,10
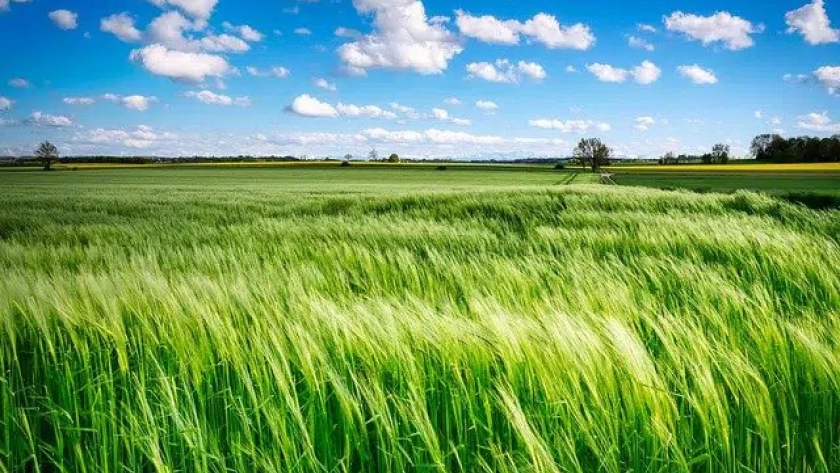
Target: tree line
774,148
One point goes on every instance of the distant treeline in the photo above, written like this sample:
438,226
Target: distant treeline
801,149
32,160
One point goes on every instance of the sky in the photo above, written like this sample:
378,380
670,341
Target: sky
421,78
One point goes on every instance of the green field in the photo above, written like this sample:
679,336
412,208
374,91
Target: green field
411,320
794,185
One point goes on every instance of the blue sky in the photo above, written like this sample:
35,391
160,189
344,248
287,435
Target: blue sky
426,78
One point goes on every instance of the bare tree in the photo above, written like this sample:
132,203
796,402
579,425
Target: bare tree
373,155
47,153
592,152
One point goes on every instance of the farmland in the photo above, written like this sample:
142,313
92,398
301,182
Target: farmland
389,319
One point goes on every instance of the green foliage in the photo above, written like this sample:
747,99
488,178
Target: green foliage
304,321
593,153
802,149
394,158
47,153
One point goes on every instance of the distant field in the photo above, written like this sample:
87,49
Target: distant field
291,319
735,167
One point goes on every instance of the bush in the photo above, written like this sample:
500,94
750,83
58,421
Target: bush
440,168
344,164
560,166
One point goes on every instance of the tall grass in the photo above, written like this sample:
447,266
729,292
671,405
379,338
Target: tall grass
181,328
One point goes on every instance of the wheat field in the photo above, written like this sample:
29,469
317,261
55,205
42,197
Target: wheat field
381,321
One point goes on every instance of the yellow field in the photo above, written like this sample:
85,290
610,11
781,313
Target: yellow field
741,167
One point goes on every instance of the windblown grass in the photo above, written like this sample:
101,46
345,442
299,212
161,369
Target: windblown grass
182,327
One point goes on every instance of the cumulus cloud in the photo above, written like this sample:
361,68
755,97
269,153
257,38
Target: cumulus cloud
444,116
6,103
45,119
452,101
79,100
369,111
19,83
570,126
198,9
343,32
829,77
645,73
138,103
645,28
504,71
487,105
571,69
819,122
122,26
325,84
697,74
275,71
169,30
409,112
64,19
644,123
245,31
303,31
211,98
758,114
734,32
179,65
5,5
542,28
308,106
141,137
812,22
640,43
403,38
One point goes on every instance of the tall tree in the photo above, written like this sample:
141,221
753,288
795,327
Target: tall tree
720,153
47,153
593,153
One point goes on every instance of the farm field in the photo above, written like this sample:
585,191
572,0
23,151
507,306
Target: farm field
288,319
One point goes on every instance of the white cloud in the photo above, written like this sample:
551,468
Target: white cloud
179,65
5,103
122,26
488,28
137,103
452,101
19,83
644,123
211,98
829,77
546,29
697,74
403,38
819,122
276,71
64,19
369,111
140,138
461,121
503,71
308,106
645,73
571,69
542,28
758,114
199,9
303,31
245,31
343,32
812,22
734,32
640,43
325,84
776,121
645,28
569,126
168,30
487,105
407,111
79,100
4,4
45,119
440,114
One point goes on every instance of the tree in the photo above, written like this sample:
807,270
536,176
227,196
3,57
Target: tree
348,157
47,153
592,152
394,158
720,153
373,155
